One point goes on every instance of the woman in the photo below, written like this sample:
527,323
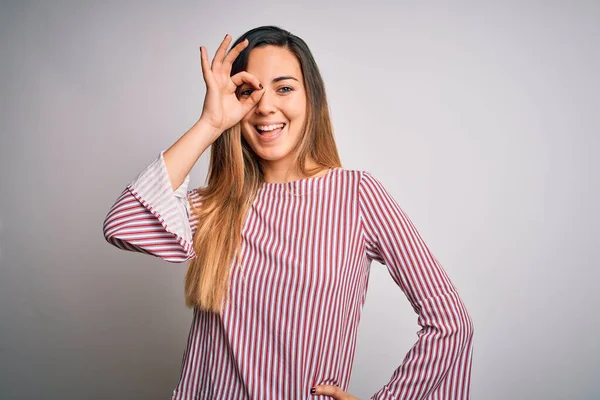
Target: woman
281,239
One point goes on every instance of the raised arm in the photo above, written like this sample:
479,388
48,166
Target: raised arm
438,366
150,217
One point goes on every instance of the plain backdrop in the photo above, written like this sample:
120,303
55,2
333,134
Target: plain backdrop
481,118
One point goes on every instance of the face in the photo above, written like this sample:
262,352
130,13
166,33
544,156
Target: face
274,126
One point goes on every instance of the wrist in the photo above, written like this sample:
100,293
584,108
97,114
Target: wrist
207,129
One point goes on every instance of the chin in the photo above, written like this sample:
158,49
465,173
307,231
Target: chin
271,154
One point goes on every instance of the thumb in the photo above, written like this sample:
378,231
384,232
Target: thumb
252,100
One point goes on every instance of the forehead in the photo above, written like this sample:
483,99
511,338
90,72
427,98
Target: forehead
270,62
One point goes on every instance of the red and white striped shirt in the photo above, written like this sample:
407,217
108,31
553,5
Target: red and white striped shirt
292,313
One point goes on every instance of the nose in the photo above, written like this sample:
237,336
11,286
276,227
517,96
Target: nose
266,105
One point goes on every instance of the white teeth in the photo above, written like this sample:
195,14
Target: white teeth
266,128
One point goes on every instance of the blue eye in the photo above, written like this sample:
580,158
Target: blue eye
247,92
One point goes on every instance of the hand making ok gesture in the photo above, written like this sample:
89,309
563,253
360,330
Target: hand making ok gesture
221,108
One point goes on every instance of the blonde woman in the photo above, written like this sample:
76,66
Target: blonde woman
280,241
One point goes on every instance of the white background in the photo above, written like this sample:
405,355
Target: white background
481,118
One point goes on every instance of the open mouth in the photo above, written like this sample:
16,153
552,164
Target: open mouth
269,130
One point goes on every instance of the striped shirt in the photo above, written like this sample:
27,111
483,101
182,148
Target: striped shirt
291,318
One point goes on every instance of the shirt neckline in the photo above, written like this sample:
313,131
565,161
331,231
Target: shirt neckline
299,186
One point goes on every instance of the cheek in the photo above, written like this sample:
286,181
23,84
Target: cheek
296,108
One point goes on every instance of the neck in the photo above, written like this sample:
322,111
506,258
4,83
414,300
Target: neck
275,171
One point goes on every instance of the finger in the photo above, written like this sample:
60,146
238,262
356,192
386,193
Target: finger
251,101
331,391
246,77
206,71
235,52
220,54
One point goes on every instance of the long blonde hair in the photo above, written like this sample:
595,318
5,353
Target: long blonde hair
235,175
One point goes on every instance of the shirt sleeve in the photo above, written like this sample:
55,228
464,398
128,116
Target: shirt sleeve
438,366
150,217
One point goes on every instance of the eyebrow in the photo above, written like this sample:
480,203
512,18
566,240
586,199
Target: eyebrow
283,78
275,80
279,78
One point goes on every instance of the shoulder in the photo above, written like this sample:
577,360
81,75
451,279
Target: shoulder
360,176
361,183
355,174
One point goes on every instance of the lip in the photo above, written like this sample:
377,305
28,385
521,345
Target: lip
267,139
269,123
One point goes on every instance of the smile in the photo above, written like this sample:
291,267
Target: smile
269,133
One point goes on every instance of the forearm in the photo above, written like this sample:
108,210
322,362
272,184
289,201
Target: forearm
181,157
439,364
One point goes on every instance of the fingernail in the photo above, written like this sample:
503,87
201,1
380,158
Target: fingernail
260,85
226,35
313,391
